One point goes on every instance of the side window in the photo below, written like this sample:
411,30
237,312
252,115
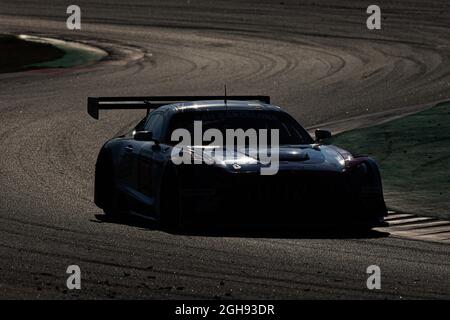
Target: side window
140,125
149,123
155,125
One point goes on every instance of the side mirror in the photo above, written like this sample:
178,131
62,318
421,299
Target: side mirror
322,134
143,136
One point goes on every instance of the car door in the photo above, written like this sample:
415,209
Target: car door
150,157
147,154
128,165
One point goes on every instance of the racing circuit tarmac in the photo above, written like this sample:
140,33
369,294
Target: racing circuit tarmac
317,60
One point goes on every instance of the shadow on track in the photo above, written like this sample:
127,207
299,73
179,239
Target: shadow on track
260,231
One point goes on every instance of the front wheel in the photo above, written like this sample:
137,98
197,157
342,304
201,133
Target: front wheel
106,195
170,212
113,207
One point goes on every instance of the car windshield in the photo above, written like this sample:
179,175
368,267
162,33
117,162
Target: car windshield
290,132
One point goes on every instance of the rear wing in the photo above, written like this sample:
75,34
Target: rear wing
149,103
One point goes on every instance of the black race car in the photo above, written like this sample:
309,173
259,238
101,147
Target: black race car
314,183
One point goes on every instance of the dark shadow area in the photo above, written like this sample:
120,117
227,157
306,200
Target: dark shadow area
285,233
17,54
128,220
254,231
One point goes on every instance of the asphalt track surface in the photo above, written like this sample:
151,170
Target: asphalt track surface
316,59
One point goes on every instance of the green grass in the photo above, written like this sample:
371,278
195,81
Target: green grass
414,157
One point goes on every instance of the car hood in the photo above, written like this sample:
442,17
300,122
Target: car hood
305,157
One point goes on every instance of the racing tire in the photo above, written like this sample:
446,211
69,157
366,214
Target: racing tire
106,194
170,212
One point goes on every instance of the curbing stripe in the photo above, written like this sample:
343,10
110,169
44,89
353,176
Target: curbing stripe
410,226
398,216
409,221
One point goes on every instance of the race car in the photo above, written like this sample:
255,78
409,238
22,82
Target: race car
140,172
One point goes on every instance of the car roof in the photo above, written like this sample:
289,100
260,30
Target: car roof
219,105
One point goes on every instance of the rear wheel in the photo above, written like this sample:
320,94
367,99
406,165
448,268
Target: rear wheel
372,190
